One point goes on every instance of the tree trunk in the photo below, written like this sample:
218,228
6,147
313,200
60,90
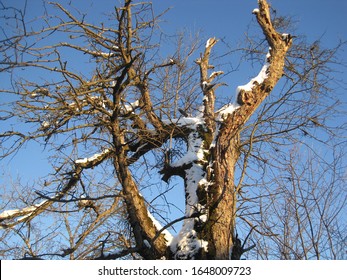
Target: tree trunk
218,195
222,198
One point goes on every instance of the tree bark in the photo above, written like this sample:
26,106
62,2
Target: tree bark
221,197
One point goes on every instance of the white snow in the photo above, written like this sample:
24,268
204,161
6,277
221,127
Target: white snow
158,226
25,216
102,54
92,158
97,100
208,43
268,55
21,213
286,37
195,151
263,74
216,73
186,244
128,108
9,213
190,122
257,80
45,124
227,109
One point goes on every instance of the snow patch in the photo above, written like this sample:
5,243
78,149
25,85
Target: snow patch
208,43
195,151
45,124
158,226
226,110
285,36
215,74
260,78
263,74
92,158
22,213
190,122
129,108
186,244
9,213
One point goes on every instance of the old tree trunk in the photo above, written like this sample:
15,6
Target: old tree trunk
211,136
216,193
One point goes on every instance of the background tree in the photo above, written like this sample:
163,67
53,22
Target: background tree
133,114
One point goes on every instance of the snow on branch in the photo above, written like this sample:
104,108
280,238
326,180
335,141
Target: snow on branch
22,215
194,153
130,108
167,235
93,160
214,75
187,243
10,218
105,55
259,79
258,88
226,110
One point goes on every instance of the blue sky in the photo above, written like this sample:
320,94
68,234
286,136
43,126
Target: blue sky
227,19
230,18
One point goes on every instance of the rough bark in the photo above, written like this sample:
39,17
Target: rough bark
222,194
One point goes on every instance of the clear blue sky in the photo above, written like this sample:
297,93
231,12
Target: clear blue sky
227,19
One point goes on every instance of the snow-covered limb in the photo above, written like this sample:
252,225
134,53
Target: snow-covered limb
19,214
93,53
186,244
209,42
286,37
195,151
159,227
263,74
7,218
189,122
89,100
129,108
95,159
242,91
214,75
226,110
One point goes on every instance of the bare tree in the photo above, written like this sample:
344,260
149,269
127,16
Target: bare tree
133,112
300,210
